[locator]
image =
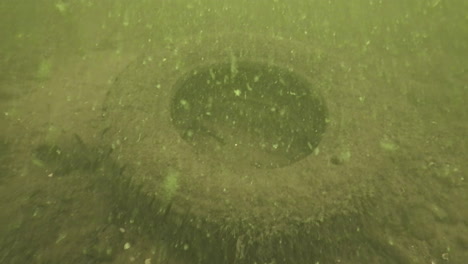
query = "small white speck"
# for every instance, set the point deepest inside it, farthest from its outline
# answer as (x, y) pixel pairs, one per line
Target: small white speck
(316, 151)
(61, 7)
(445, 256)
(127, 246)
(184, 104)
(237, 92)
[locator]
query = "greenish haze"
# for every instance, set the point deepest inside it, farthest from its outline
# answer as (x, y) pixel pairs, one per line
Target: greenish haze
(87, 175)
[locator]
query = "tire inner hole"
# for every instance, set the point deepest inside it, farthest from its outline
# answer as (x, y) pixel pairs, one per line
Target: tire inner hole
(249, 114)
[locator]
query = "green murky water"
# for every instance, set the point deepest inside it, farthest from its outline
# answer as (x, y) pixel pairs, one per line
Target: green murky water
(233, 131)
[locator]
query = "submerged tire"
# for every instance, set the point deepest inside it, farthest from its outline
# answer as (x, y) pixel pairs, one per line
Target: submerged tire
(247, 149)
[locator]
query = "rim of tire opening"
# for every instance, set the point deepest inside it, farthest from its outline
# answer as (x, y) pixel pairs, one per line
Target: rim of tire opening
(248, 113)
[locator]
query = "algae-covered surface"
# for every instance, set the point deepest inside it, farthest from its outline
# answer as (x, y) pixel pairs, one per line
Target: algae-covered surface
(114, 150)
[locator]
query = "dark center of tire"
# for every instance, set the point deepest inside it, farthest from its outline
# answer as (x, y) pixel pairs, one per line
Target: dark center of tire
(249, 114)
